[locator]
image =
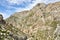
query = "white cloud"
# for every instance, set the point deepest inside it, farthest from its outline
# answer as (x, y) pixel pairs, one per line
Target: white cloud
(36, 1)
(49, 1)
(12, 2)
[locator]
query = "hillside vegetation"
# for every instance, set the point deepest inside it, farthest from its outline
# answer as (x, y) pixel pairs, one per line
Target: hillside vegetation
(42, 22)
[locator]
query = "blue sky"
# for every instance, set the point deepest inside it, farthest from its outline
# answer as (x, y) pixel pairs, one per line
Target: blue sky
(8, 7)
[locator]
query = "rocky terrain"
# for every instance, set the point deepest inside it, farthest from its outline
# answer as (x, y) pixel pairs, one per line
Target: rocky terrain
(42, 22)
(9, 32)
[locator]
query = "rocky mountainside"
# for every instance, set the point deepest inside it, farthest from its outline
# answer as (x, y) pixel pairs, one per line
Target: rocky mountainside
(42, 22)
(9, 32)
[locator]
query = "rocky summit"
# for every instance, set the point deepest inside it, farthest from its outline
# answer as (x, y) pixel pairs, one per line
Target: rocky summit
(42, 22)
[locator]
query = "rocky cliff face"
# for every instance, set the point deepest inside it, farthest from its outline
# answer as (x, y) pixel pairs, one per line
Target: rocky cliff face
(40, 23)
(9, 32)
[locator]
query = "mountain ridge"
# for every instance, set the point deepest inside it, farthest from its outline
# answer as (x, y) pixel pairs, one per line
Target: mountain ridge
(40, 22)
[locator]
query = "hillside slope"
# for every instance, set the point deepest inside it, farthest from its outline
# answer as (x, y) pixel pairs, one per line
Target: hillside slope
(40, 23)
(9, 32)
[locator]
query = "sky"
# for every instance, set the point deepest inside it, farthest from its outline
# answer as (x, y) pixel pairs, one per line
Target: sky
(9, 7)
